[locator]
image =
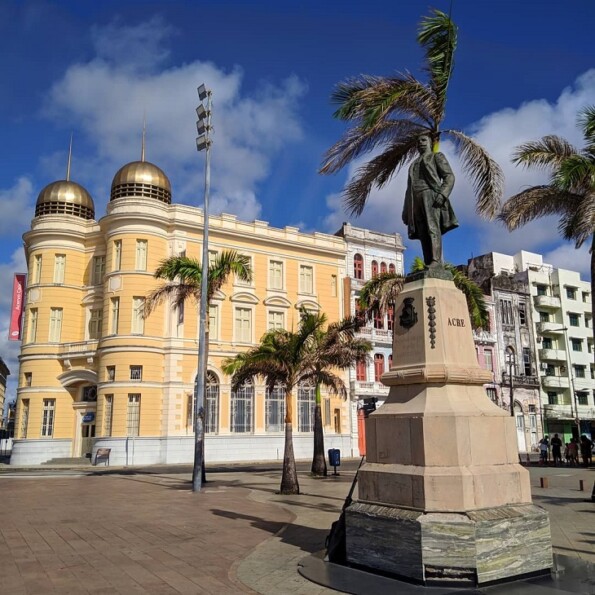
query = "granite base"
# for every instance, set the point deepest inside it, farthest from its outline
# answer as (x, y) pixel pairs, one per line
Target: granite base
(472, 548)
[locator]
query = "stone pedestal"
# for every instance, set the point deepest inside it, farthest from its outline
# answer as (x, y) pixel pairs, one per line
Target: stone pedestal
(442, 495)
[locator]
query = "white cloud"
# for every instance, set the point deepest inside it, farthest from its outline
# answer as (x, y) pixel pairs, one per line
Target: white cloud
(107, 96)
(16, 205)
(566, 256)
(499, 133)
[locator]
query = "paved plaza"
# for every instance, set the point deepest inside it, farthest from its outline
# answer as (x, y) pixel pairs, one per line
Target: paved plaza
(143, 530)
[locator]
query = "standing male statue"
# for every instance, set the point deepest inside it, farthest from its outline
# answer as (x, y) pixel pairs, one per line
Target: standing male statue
(427, 211)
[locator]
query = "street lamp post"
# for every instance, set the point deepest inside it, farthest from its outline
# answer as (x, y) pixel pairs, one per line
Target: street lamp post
(203, 143)
(573, 402)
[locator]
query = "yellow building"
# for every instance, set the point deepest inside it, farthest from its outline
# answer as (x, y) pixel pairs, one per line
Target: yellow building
(4, 373)
(95, 373)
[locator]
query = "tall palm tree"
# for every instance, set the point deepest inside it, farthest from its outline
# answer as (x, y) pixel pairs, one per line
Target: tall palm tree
(183, 276)
(570, 193)
(335, 348)
(288, 359)
(389, 114)
(379, 294)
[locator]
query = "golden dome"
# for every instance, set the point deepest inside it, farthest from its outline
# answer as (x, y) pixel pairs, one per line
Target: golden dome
(65, 197)
(141, 178)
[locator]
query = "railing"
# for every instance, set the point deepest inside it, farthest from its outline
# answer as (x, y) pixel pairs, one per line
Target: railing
(555, 381)
(552, 354)
(79, 347)
(558, 411)
(546, 301)
(549, 327)
(520, 380)
(367, 387)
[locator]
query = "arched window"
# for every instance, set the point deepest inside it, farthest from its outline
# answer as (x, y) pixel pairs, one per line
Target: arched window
(390, 318)
(374, 268)
(378, 319)
(391, 268)
(242, 408)
(360, 371)
(378, 366)
(390, 361)
(383, 267)
(306, 400)
(358, 266)
(212, 404)
(275, 409)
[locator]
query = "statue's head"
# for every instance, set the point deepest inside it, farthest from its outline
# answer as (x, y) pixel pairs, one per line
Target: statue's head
(424, 144)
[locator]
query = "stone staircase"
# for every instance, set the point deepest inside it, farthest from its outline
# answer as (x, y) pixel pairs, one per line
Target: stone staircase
(68, 461)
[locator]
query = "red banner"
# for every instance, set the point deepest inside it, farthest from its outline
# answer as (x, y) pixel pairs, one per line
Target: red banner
(16, 311)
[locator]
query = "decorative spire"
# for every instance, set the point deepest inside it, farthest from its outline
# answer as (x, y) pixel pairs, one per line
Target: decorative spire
(69, 160)
(142, 150)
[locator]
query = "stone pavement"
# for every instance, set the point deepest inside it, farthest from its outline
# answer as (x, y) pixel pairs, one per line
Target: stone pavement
(143, 530)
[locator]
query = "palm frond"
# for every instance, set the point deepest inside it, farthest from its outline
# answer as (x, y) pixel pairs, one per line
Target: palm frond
(380, 293)
(178, 292)
(586, 120)
(476, 304)
(226, 263)
(536, 202)
(417, 265)
(438, 36)
(485, 174)
(377, 172)
(358, 141)
(187, 269)
(578, 223)
(548, 152)
(574, 174)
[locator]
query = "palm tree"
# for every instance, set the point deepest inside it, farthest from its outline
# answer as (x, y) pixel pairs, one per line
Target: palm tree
(570, 193)
(391, 113)
(183, 276)
(379, 294)
(287, 359)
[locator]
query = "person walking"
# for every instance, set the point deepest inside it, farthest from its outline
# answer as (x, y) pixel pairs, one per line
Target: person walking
(544, 446)
(556, 444)
(586, 450)
(573, 452)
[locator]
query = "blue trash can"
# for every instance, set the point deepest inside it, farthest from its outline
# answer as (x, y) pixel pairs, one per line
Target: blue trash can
(334, 458)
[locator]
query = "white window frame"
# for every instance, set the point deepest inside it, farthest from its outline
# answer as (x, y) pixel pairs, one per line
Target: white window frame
(114, 315)
(48, 417)
(136, 373)
(213, 320)
(59, 268)
(240, 335)
(98, 270)
(142, 249)
(306, 285)
(334, 286)
(238, 281)
(108, 413)
(274, 409)
(275, 320)
(55, 331)
(37, 264)
(213, 254)
(25, 407)
(33, 320)
(138, 320)
(95, 326)
(133, 415)
(276, 274)
(117, 257)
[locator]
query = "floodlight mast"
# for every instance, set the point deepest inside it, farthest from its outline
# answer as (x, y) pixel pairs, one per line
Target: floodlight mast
(203, 142)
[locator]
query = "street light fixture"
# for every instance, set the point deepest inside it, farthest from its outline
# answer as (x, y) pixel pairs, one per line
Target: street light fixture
(203, 143)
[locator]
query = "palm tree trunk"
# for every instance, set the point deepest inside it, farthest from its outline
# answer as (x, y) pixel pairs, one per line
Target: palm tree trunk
(289, 479)
(318, 461)
(593, 284)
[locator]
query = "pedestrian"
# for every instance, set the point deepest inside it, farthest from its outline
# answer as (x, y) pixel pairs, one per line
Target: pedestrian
(586, 450)
(573, 452)
(556, 444)
(567, 454)
(544, 446)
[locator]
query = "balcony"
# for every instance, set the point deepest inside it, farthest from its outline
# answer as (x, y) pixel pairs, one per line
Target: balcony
(78, 349)
(555, 381)
(552, 354)
(550, 327)
(360, 387)
(520, 380)
(558, 412)
(586, 412)
(376, 335)
(546, 301)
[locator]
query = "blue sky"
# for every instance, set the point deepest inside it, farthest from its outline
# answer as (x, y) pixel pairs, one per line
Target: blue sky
(523, 69)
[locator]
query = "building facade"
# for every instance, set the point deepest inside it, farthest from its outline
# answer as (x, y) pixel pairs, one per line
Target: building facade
(96, 373)
(369, 253)
(4, 373)
(551, 316)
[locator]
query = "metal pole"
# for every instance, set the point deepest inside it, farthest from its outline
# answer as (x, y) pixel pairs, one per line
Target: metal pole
(510, 371)
(573, 402)
(202, 364)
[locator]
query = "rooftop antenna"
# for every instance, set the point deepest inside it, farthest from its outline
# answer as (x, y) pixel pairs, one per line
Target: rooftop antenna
(142, 150)
(69, 160)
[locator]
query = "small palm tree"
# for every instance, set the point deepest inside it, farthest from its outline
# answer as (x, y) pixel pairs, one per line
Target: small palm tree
(391, 113)
(570, 193)
(287, 359)
(380, 293)
(184, 275)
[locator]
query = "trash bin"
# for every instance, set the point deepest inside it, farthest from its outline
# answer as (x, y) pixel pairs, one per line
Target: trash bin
(334, 458)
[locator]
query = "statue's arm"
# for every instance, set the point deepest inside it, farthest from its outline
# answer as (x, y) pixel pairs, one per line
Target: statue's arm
(445, 172)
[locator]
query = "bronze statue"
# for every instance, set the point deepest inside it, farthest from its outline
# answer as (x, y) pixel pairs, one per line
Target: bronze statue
(427, 211)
